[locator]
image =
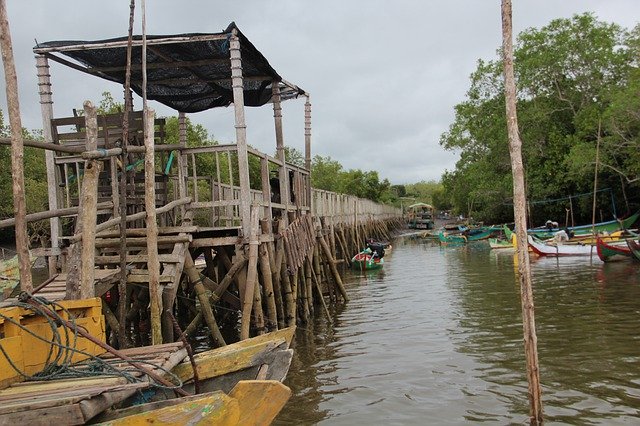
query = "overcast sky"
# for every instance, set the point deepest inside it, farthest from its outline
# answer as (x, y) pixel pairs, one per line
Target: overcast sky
(383, 76)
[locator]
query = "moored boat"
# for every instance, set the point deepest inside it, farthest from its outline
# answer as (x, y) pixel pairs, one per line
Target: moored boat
(79, 387)
(612, 251)
(465, 235)
(634, 246)
(542, 248)
(598, 228)
(366, 261)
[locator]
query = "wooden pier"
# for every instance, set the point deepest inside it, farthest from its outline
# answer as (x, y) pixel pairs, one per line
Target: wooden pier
(212, 234)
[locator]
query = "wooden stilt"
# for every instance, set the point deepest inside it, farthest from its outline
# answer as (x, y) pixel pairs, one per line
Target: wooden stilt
(267, 281)
(252, 276)
(153, 263)
(321, 297)
(332, 265)
(290, 301)
(205, 306)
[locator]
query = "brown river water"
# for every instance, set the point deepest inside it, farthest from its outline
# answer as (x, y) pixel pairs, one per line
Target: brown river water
(436, 338)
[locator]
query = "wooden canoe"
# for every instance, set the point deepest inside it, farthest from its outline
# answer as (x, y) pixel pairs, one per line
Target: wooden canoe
(601, 227)
(609, 252)
(267, 357)
(543, 249)
(249, 403)
(364, 261)
(634, 246)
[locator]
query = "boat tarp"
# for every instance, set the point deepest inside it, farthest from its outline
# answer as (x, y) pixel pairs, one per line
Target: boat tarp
(190, 74)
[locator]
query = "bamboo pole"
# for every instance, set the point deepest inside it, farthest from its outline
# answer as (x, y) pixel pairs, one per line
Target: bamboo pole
(289, 295)
(205, 306)
(258, 313)
(252, 275)
(153, 263)
(595, 180)
(275, 276)
(321, 297)
(216, 295)
(267, 281)
(332, 265)
(122, 284)
(520, 215)
(17, 151)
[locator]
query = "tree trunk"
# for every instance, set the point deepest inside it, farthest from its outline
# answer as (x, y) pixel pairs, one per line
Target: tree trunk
(519, 211)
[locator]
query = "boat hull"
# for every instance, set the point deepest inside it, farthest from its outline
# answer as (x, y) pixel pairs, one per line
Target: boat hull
(543, 249)
(365, 262)
(608, 252)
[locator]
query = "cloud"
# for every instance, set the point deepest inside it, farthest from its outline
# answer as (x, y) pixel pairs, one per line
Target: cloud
(383, 77)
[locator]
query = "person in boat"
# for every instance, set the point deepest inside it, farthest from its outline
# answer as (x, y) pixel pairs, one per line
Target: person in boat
(563, 235)
(549, 224)
(376, 248)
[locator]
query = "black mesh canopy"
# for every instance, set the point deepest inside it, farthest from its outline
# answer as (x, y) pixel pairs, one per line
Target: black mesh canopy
(186, 72)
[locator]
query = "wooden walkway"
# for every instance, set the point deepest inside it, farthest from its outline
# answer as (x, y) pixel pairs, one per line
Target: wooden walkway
(56, 289)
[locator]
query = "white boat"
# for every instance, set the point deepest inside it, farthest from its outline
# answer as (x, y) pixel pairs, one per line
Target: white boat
(559, 249)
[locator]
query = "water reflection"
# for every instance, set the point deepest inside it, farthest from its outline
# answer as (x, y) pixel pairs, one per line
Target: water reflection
(436, 337)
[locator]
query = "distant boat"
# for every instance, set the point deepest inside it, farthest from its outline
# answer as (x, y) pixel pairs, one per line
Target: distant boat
(602, 227)
(365, 261)
(464, 235)
(509, 242)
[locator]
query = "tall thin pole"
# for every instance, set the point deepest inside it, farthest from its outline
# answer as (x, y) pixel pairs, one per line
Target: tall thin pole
(520, 215)
(122, 285)
(17, 152)
(595, 181)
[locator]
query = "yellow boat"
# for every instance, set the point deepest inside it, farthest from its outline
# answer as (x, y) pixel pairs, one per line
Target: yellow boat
(242, 380)
(250, 403)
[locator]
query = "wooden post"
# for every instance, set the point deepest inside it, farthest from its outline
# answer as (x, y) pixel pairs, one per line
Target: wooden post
(241, 132)
(283, 175)
(267, 281)
(307, 145)
(252, 276)
(205, 306)
(88, 207)
(520, 215)
(332, 265)
(153, 263)
(289, 294)
(275, 275)
(17, 152)
(46, 108)
(182, 161)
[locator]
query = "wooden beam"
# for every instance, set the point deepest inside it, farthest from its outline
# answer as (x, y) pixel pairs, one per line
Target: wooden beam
(88, 212)
(46, 145)
(17, 151)
(123, 43)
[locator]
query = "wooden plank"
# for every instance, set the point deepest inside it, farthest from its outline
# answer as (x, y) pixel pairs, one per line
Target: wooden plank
(144, 279)
(135, 258)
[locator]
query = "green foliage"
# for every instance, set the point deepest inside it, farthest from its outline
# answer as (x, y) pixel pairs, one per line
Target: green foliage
(293, 156)
(574, 77)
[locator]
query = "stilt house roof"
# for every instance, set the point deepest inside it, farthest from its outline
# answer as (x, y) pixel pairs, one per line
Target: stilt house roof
(187, 72)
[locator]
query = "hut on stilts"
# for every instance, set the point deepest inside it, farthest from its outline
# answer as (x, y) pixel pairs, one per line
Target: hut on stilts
(131, 214)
